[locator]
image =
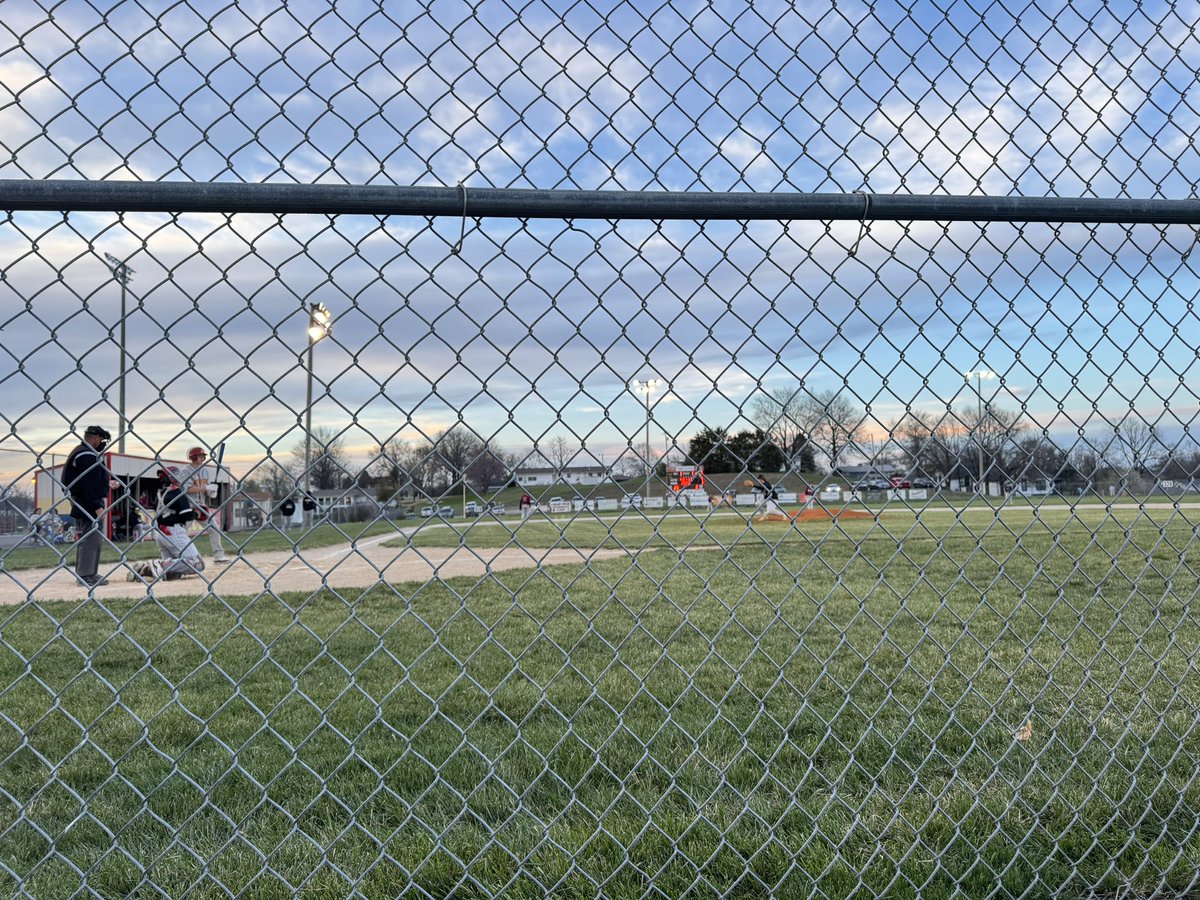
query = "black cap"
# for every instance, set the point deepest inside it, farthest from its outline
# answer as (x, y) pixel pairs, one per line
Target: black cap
(97, 431)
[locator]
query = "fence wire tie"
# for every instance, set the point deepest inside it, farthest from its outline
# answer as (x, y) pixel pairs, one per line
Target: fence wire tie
(862, 223)
(1192, 246)
(462, 230)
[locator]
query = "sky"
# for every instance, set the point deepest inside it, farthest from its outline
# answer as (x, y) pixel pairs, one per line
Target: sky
(536, 329)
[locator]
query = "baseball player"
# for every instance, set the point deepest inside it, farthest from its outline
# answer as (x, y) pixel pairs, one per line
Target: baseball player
(178, 555)
(769, 502)
(203, 495)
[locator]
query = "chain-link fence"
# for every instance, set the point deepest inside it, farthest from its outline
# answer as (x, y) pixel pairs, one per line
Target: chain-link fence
(708, 450)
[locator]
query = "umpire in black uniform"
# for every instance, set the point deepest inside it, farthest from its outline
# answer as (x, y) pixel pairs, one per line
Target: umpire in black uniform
(87, 482)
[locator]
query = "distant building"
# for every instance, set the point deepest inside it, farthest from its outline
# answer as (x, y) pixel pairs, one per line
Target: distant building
(340, 502)
(248, 509)
(537, 476)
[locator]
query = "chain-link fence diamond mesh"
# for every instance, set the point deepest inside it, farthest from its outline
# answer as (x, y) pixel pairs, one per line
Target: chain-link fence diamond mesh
(830, 547)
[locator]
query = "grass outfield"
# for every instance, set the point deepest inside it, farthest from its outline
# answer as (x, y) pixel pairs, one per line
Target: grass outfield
(798, 711)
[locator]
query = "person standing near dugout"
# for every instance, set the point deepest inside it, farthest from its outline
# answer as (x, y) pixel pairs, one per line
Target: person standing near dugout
(195, 483)
(88, 482)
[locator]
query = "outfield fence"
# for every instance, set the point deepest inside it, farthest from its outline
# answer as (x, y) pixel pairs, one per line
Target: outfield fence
(940, 299)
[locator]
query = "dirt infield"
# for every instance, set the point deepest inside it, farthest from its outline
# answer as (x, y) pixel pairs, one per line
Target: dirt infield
(344, 566)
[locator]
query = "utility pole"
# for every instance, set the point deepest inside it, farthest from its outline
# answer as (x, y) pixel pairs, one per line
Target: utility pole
(121, 273)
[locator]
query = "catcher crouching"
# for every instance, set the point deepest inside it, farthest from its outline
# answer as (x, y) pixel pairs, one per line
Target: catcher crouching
(178, 555)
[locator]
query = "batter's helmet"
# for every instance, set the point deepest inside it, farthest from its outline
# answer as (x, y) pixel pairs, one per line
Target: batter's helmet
(197, 451)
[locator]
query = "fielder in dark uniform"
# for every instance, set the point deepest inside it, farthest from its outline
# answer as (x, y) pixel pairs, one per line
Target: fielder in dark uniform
(88, 482)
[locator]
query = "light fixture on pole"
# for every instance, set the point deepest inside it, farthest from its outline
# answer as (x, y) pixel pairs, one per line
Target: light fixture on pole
(646, 387)
(319, 326)
(980, 375)
(121, 273)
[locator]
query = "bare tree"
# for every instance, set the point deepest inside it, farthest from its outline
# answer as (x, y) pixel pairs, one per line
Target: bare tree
(452, 453)
(18, 498)
(557, 452)
(834, 423)
(1091, 466)
(392, 468)
(1038, 458)
(1181, 461)
(387, 467)
(994, 431)
(1134, 445)
(424, 468)
(928, 443)
(782, 413)
(489, 467)
(271, 477)
(330, 463)
(631, 464)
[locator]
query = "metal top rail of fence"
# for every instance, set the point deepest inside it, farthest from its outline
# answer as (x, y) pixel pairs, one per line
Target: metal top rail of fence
(378, 200)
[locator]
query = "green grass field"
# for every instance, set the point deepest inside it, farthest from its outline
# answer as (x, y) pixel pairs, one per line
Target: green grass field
(826, 709)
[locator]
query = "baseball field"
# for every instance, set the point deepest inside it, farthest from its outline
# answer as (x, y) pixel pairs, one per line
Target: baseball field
(945, 702)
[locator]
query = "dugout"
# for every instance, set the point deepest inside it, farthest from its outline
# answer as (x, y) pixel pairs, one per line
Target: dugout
(131, 503)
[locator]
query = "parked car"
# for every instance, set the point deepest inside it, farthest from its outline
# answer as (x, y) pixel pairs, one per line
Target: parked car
(446, 512)
(900, 483)
(426, 512)
(873, 484)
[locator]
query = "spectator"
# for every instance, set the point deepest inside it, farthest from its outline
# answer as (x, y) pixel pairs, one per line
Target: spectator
(287, 509)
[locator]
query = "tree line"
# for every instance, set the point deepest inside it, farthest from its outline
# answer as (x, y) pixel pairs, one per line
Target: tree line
(796, 430)
(793, 430)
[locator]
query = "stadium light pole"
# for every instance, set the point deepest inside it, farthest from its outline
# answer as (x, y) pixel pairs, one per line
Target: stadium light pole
(980, 375)
(319, 326)
(647, 387)
(121, 274)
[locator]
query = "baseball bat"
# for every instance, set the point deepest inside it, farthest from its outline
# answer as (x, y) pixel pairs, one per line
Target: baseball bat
(218, 457)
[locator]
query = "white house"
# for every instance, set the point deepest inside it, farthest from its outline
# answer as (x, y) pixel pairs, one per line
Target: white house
(537, 476)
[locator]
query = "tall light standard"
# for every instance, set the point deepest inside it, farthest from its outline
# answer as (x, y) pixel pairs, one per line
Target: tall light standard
(121, 273)
(646, 387)
(318, 327)
(980, 375)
